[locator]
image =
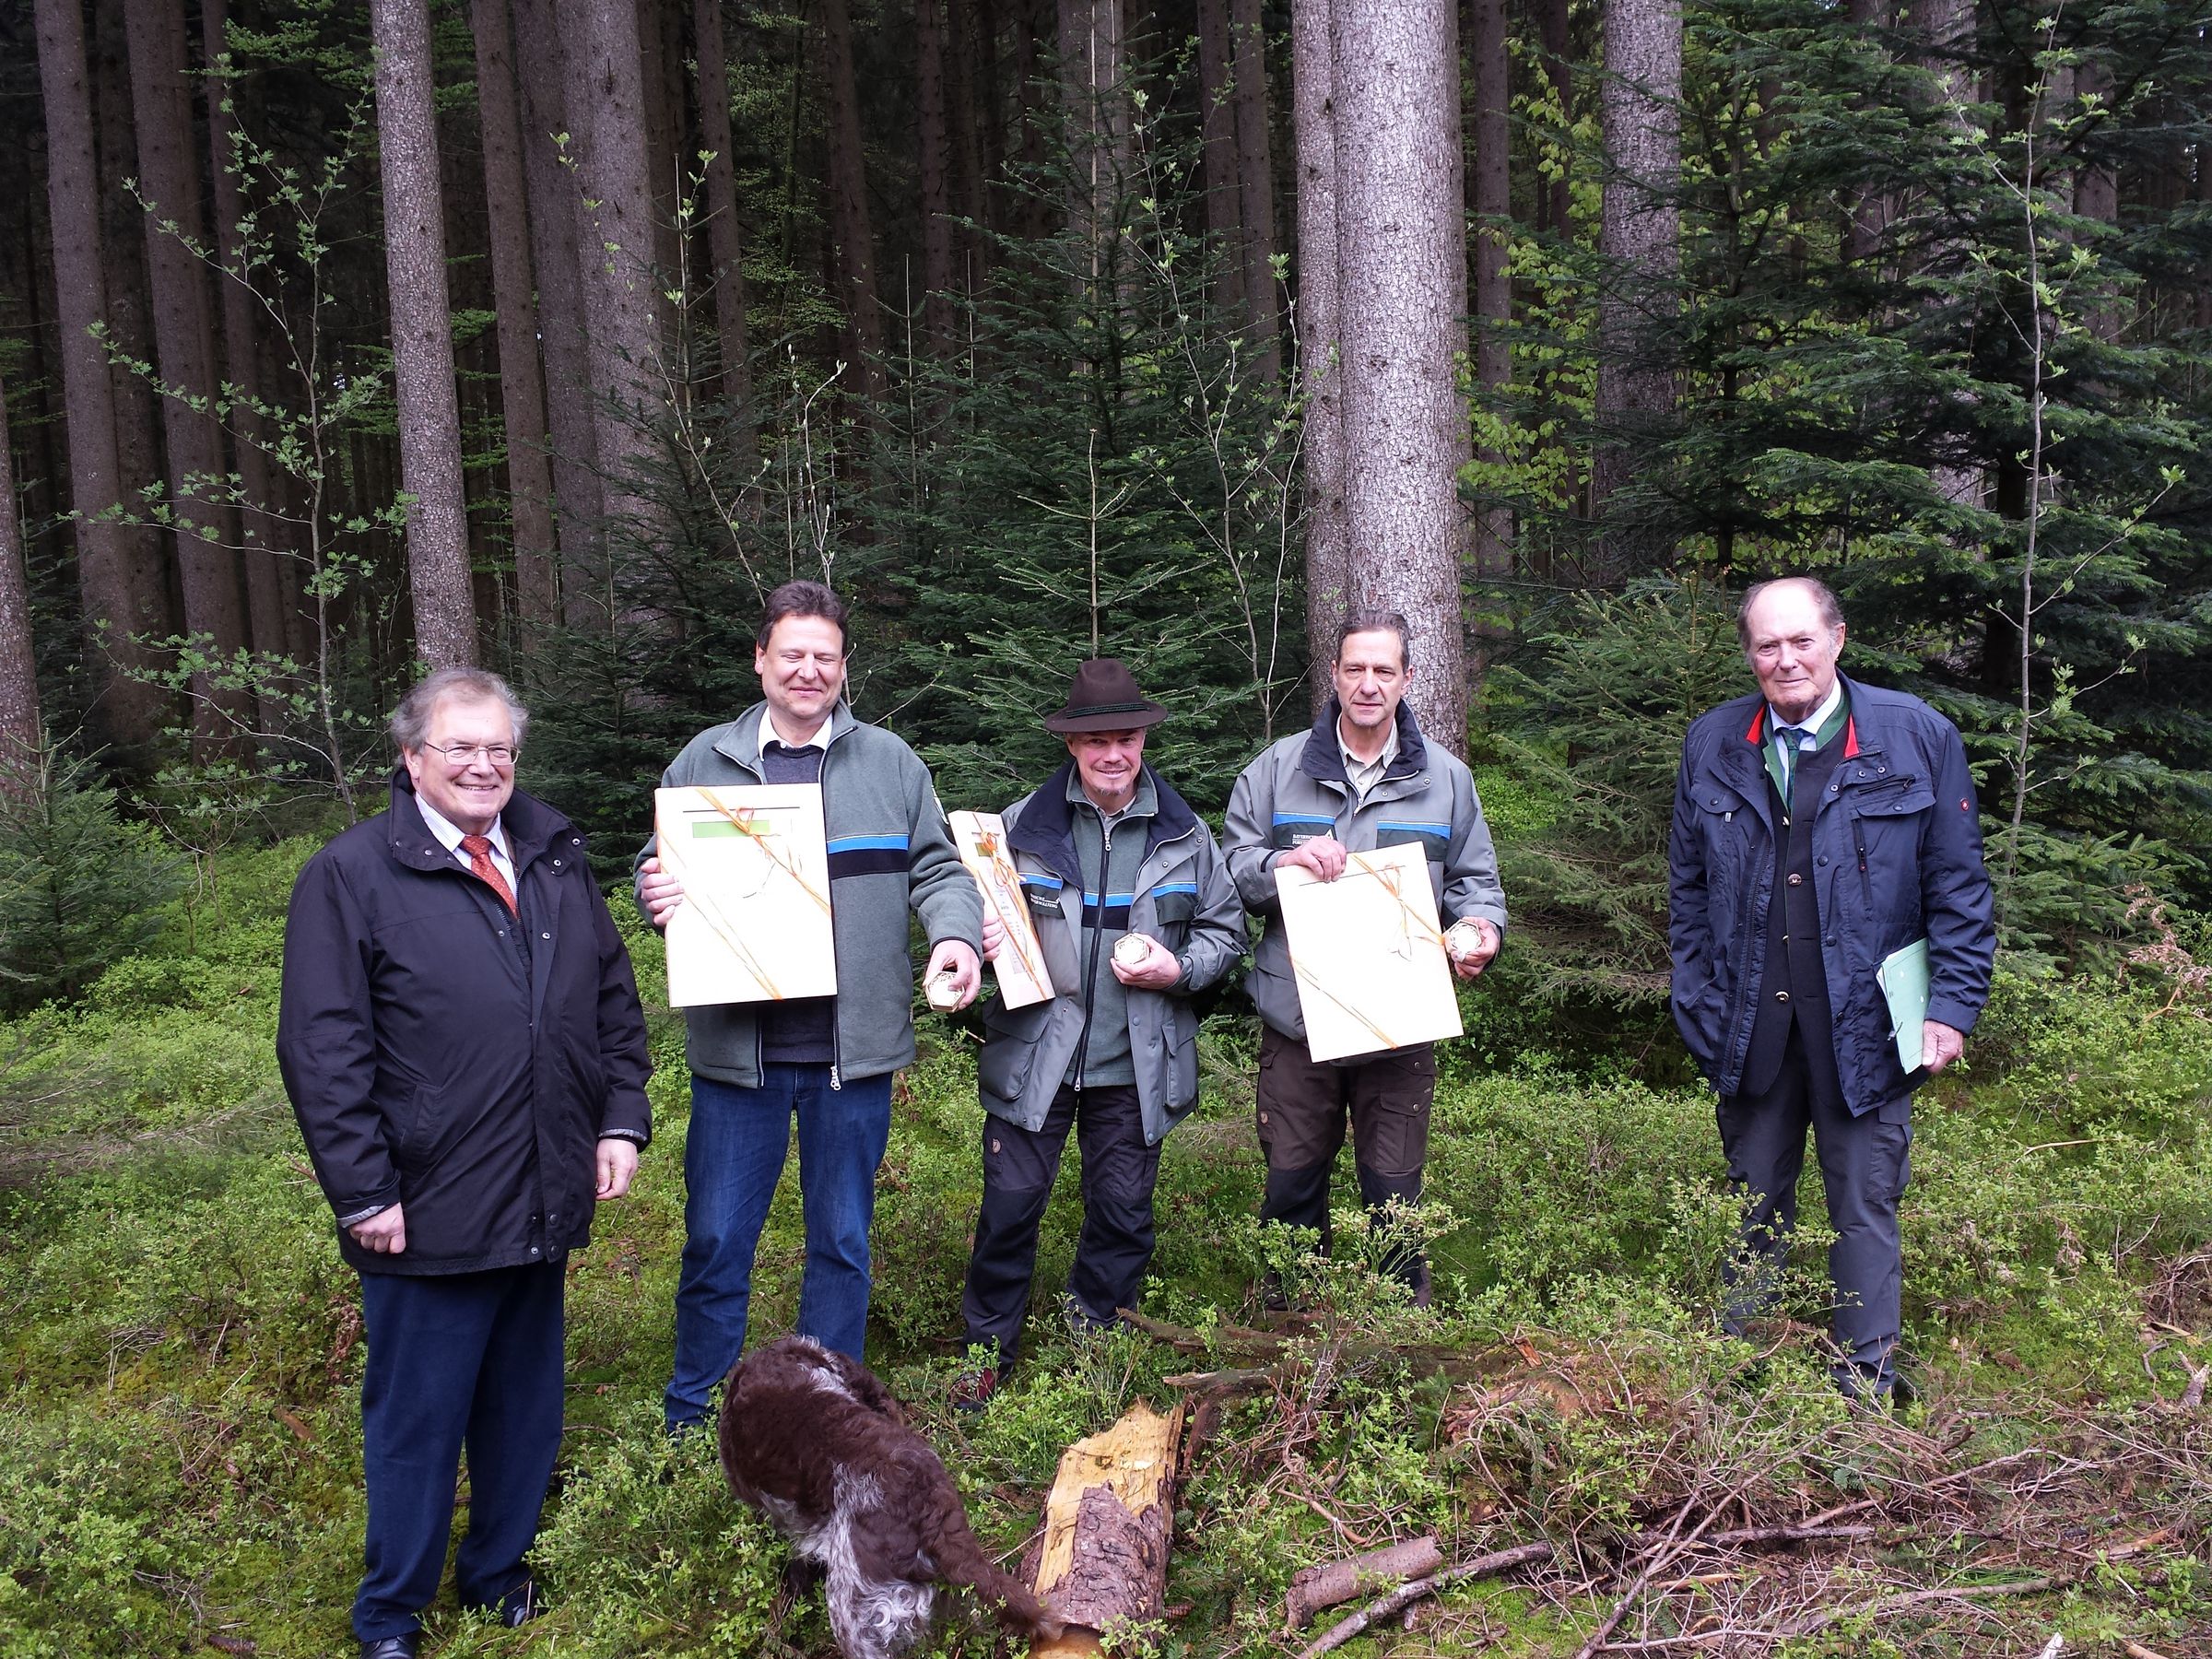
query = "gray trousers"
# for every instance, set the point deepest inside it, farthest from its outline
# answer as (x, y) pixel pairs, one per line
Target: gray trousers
(1865, 1164)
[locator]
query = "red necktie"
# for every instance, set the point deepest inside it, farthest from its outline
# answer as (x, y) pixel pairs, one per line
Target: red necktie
(479, 848)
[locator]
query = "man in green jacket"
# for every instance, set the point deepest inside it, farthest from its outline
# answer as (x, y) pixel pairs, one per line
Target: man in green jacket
(827, 1061)
(1363, 778)
(1136, 913)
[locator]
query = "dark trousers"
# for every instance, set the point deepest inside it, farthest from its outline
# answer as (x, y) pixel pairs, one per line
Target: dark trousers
(1020, 1167)
(457, 1361)
(1865, 1164)
(1303, 1106)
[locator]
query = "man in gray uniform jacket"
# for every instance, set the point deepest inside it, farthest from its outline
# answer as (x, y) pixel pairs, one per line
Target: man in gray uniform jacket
(1106, 851)
(1362, 778)
(826, 1060)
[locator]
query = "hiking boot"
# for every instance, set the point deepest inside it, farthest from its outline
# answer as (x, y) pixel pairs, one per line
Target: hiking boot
(973, 1389)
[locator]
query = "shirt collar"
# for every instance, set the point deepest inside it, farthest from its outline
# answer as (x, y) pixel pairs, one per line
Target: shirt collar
(449, 833)
(1143, 803)
(769, 735)
(1352, 763)
(1815, 721)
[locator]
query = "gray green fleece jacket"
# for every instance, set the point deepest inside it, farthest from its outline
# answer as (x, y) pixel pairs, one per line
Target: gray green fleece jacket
(890, 852)
(1296, 791)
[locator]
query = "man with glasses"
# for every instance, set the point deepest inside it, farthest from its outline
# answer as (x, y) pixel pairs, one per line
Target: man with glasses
(825, 1062)
(464, 1048)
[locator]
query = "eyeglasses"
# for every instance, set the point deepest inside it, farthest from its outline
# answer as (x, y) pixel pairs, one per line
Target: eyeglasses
(469, 754)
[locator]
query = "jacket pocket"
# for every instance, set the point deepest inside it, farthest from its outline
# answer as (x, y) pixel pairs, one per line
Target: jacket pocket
(1173, 906)
(1010, 1038)
(426, 1122)
(1887, 824)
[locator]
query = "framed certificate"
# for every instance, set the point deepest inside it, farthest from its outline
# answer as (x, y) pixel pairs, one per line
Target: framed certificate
(754, 925)
(1368, 954)
(982, 838)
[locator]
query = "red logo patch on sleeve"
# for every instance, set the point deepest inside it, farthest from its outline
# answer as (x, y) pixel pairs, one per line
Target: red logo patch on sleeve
(1964, 805)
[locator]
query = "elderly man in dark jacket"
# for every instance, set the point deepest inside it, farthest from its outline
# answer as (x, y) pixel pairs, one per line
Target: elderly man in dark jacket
(1822, 827)
(462, 1041)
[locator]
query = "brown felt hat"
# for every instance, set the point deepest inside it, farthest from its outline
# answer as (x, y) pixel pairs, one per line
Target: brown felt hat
(1104, 697)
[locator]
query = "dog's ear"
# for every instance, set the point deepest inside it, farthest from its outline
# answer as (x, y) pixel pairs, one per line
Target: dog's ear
(866, 1388)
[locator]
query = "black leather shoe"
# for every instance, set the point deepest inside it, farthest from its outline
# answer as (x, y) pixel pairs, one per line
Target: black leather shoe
(520, 1605)
(394, 1647)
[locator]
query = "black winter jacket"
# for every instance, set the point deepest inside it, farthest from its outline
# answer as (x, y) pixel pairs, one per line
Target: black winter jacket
(434, 1063)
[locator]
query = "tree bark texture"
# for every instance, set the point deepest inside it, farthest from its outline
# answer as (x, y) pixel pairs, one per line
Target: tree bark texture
(1314, 1588)
(668, 159)
(1320, 365)
(22, 734)
(1256, 184)
(1640, 243)
(1552, 22)
(145, 551)
(1401, 260)
(852, 236)
(616, 244)
(262, 533)
(1869, 211)
(935, 133)
(126, 711)
(422, 337)
(1103, 1555)
(964, 53)
(514, 302)
(1492, 204)
(1093, 69)
(726, 243)
(169, 175)
(1033, 100)
(556, 212)
(1218, 118)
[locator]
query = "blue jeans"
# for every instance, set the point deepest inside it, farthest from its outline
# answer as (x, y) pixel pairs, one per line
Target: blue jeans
(463, 1359)
(733, 1159)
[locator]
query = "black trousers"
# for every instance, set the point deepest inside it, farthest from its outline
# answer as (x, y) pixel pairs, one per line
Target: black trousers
(1020, 1167)
(1865, 1164)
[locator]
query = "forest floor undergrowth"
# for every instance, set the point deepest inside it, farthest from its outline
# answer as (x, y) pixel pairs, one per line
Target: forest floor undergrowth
(181, 1353)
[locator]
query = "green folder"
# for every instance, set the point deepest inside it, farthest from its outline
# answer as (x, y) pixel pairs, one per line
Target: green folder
(1904, 980)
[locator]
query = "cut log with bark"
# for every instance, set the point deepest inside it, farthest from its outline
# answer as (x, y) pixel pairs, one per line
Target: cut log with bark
(1103, 1557)
(1314, 1588)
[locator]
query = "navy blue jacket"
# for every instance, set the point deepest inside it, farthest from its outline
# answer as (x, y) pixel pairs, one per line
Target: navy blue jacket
(432, 1063)
(1896, 855)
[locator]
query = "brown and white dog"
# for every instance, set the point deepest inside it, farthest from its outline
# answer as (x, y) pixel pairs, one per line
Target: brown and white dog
(814, 1442)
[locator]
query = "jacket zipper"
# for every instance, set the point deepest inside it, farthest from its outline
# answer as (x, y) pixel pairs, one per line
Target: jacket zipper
(1091, 969)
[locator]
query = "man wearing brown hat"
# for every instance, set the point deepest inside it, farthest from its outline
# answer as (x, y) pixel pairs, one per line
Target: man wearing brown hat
(1109, 857)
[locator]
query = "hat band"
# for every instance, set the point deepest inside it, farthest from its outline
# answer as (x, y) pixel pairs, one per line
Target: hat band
(1120, 708)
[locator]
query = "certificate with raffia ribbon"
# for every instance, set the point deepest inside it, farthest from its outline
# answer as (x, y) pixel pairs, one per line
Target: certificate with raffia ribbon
(1368, 954)
(982, 838)
(754, 925)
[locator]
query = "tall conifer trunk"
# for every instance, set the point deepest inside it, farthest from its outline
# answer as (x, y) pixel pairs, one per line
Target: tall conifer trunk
(1218, 130)
(725, 238)
(1400, 259)
(262, 531)
(126, 711)
(522, 386)
(1491, 202)
(1256, 184)
(1640, 239)
(169, 174)
(852, 232)
(934, 122)
(22, 733)
(1319, 333)
(422, 337)
(556, 260)
(1093, 67)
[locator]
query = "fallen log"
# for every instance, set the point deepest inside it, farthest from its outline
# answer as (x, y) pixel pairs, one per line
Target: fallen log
(1314, 1588)
(1405, 1596)
(1103, 1556)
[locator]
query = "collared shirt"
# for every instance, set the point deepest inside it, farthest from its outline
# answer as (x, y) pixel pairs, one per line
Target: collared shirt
(1812, 731)
(1363, 775)
(449, 835)
(769, 735)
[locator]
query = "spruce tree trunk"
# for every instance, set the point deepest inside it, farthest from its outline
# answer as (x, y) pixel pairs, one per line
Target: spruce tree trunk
(422, 337)
(556, 257)
(963, 52)
(1869, 209)
(138, 457)
(725, 238)
(1400, 259)
(1552, 22)
(262, 533)
(616, 250)
(1036, 107)
(1093, 66)
(662, 92)
(935, 155)
(1255, 184)
(1491, 202)
(1320, 370)
(852, 235)
(126, 711)
(1218, 129)
(521, 385)
(22, 734)
(169, 176)
(1640, 240)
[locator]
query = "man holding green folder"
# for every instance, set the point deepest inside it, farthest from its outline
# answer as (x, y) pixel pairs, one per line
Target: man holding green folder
(1830, 926)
